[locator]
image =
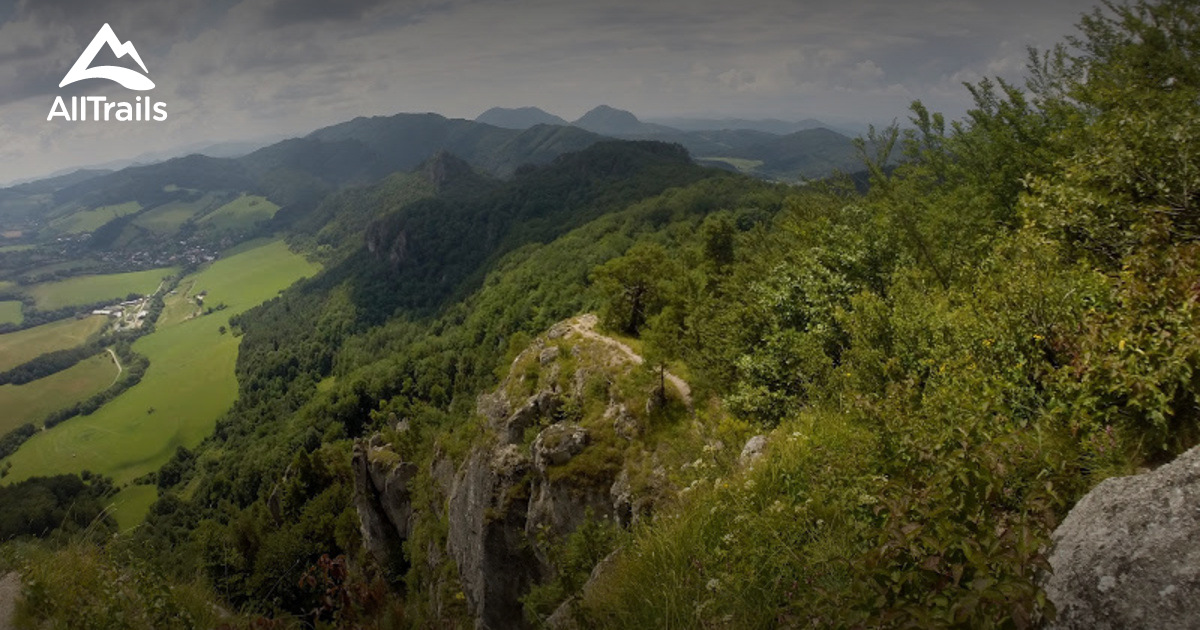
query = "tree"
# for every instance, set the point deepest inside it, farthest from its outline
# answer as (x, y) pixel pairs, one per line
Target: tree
(633, 286)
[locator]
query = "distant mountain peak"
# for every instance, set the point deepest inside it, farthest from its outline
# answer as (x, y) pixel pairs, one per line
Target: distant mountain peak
(519, 117)
(611, 121)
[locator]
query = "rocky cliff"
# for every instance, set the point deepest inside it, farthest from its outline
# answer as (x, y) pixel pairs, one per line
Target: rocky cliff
(557, 446)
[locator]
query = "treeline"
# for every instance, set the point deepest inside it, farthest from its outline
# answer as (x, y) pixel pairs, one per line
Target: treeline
(32, 317)
(135, 366)
(13, 440)
(50, 363)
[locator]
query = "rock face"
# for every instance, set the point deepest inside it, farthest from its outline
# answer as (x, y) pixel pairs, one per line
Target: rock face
(488, 509)
(528, 481)
(382, 500)
(1128, 554)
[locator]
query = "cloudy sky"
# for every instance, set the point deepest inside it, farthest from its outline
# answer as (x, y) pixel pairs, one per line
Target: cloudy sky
(242, 69)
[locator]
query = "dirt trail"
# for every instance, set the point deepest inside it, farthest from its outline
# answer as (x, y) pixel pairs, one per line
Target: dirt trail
(119, 368)
(585, 325)
(10, 588)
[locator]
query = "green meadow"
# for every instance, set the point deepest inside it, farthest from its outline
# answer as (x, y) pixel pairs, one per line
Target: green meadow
(240, 214)
(10, 312)
(91, 289)
(91, 220)
(31, 402)
(169, 217)
(129, 506)
(21, 346)
(180, 305)
(189, 384)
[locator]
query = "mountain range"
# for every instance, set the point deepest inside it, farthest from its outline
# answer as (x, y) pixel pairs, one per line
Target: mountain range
(772, 149)
(297, 173)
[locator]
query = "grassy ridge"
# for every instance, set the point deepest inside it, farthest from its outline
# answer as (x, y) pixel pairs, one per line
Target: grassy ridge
(32, 401)
(242, 213)
(190, 382)
(18, 347)
(91, 289)
(91, 220)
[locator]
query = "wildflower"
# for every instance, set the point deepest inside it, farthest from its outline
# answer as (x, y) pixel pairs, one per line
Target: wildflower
(1121, 346)
(1038, 337)
(728, 539)
(713, 584)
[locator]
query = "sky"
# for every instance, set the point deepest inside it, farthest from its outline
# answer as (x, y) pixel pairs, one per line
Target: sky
(231, 70)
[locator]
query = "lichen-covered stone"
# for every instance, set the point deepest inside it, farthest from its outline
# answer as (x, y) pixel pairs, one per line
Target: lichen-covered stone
(1128, 554)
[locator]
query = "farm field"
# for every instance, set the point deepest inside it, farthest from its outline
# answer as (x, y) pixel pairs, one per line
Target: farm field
(167, 218)
(129, 506)
(31, 402)
(21, 346)
(91, 220)
(189, 384)
(91, 289)
(240, 214)
(10, 312)
(180, 305)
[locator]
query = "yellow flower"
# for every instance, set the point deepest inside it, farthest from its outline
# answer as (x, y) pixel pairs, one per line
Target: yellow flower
(1121, 346)
(1038, 337)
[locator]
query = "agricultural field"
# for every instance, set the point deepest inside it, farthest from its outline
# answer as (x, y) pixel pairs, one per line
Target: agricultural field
(169, 217)
(32, 402)
(92, 289)
(189, 384)
(129, 506)
(241, 214)
(16, 248)
(91, 220)
(21, 346)
(179, 305)
(10, 312)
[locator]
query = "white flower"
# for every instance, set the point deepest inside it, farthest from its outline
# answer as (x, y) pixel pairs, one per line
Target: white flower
(713, 584)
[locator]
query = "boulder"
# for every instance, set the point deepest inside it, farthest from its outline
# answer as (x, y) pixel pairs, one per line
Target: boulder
(1128, 554)
(542, 405)
(557, 444)
(754, 449)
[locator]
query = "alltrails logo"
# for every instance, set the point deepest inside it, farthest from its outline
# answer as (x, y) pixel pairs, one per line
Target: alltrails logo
(141, 109)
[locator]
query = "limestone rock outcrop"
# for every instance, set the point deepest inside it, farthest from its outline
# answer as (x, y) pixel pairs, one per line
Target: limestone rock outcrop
(1128, 554)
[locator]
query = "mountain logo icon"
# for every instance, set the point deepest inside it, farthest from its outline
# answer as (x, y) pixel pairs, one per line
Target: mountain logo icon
(130, 79)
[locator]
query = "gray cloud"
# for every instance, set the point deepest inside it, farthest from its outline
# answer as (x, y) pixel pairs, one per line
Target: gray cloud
(245, 68)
